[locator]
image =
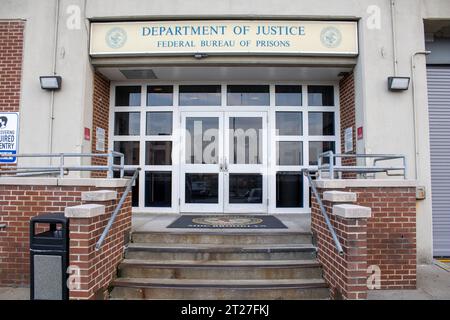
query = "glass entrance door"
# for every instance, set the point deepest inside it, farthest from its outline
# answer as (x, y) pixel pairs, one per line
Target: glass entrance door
(224, 162)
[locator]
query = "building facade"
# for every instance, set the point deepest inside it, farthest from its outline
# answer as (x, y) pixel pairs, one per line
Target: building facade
(165, 84)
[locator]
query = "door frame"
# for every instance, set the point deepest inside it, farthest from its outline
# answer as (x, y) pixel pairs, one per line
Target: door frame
(223, 166)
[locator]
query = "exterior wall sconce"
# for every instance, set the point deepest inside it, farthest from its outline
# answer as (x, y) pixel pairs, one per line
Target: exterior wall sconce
(398, 83)
(50, 82)
(199, 55)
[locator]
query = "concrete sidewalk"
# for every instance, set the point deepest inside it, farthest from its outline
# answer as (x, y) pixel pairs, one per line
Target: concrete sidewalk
(433, 283)
(10, 293)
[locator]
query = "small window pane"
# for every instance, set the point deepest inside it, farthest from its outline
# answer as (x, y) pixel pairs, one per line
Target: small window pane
(316, 148)
(248, 95)
(289, 124)
(128, 96)
(245, 140)
(245, 188)
(289, 153)
(202, 188)
(130, 149)
(159, 96)
(158, 189)
(321, 123)
(289, 190)
(288, 95)
(202, 140)
(127, 123)
(200, 95)
(134, 188)
(321, 96)
(159, 123)
(158, 153)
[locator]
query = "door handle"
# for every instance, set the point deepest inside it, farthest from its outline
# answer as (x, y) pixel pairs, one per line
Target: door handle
(225, 165)
(221, 165)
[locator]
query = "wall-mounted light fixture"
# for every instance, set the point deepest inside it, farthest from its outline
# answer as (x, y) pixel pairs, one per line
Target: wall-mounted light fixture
(199, 55)
(50, 82)
(398, 83)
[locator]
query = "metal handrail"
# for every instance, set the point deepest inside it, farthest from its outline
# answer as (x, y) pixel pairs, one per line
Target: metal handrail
(337, 243)
(117, 210)
(62, 168)
(332, 168)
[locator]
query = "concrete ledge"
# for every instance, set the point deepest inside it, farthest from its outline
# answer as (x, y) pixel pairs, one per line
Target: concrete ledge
(352, 211)
(364, 183)
(85, 211)
(85, 182)
(339, 196)
(100, 195)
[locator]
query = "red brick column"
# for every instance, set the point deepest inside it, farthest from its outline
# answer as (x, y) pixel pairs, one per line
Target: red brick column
(347, 118)
(97, 269)
(100, 119)
(389, 234)
(346, 275)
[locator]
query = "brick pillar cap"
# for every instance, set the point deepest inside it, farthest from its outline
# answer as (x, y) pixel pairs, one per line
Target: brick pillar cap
(351, 211)
(85, 211)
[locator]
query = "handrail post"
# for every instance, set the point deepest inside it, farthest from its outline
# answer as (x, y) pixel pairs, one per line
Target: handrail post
(122, 165)
(331, 159)
(61, 165)
(110, 165)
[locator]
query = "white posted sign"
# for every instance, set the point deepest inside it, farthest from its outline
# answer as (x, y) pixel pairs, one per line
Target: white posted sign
(9, 136)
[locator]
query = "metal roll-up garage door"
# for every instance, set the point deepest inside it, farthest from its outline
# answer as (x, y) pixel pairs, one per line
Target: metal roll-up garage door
(439, 109)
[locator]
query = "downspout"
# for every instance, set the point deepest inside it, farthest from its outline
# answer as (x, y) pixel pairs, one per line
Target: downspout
(52, 98)
(394, 36)
(416, 143)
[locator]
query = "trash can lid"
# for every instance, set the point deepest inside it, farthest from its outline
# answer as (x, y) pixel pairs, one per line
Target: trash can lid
(57, 217)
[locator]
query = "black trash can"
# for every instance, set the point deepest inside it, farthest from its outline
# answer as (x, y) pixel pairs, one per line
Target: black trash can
(49, 257)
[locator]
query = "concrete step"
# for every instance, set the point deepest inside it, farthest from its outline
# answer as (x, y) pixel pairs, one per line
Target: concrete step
(144, 288)
(220, 269)
(204, 252)
(220, 237)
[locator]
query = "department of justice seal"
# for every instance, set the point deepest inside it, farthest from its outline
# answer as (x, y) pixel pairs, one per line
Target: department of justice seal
(331, 37)
(116, 38)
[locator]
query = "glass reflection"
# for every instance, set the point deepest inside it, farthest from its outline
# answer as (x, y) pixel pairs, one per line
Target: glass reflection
(202, 140)
(245, 140)
(289, 153)
(200, 95)
(202, 188)
(289, 189)
(245, 188)
(321, 123)
(127, 123)
(248, 95)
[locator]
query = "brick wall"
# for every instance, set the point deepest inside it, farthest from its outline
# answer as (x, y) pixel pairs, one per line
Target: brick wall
(347, 116)
(11, 56)
(386, 240)
(391, 234)
(100, 118)
(11, 53)
(19, 203)
(347, 274)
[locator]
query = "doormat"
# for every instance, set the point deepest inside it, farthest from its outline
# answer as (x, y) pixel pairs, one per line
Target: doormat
(231, 222)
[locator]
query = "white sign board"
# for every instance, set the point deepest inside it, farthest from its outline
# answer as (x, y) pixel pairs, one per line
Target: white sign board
(334, 38)
(348, 139)
(100, 144)
(9, 135)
